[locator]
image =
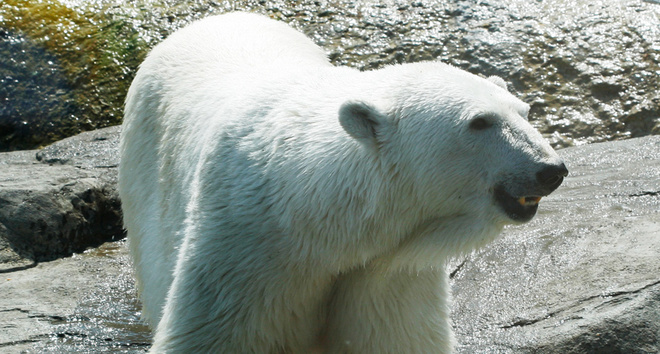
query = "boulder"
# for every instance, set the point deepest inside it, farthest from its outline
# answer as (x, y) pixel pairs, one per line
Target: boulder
(59, 200)
(589, 70)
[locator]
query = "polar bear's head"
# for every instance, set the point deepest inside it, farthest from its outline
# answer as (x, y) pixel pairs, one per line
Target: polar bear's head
(457, 144)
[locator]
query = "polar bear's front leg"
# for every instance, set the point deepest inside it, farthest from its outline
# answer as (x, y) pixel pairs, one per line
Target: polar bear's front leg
(383, 311)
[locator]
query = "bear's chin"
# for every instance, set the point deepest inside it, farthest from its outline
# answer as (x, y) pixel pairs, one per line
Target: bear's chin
(515, 207)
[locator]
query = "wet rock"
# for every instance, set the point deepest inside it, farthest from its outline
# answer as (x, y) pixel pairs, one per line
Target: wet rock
(80, 304)
(584, 276)
(596, 59)
(31, 82)
(59, 200)
(63, 70)
(95, 150)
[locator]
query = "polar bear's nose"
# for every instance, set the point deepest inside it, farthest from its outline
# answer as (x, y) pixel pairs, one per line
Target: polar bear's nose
(551, 176)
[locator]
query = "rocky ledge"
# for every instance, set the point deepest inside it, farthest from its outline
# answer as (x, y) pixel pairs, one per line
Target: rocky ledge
(582, 277)
(59, 200)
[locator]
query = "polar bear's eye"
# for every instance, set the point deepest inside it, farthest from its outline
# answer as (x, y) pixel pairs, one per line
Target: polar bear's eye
(480, 123)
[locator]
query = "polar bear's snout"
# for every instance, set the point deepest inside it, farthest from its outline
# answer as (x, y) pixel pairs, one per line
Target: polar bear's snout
(520, 201)
(551, 176)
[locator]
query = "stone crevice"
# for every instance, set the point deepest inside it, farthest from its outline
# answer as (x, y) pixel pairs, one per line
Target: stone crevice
(34, 339)
(51, 318)
(19, 268)
(645, 194)
(607, 297)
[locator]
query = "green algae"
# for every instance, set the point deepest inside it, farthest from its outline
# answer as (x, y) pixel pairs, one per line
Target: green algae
(85, 60)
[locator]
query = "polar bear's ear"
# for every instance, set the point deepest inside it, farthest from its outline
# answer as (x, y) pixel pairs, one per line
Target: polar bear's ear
(361, 121)
(498, 81)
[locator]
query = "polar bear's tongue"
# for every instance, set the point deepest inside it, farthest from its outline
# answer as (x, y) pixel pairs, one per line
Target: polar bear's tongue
(526, 201)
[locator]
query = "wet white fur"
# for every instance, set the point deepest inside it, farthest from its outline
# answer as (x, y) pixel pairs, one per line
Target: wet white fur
(275, 203)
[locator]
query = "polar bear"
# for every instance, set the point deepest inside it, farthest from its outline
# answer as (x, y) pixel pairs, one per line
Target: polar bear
(275, 203)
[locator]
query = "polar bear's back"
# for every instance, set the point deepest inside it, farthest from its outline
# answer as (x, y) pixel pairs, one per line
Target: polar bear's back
(240, 41)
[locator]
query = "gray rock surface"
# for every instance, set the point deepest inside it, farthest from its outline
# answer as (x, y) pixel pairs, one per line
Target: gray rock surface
(59, 200)
(589, 69)
(582, 277)
(80, 304)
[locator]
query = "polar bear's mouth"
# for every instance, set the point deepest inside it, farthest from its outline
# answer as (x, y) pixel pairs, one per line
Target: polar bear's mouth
(518, 208)
(529, 201)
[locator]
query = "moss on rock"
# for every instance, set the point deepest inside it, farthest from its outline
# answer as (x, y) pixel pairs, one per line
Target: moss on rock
(64, 70)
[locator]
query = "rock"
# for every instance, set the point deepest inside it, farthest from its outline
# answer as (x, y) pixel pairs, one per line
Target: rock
(56, 202)
(65, 66)
(584, 275)
(59, 200)
(84, 303)
(89, 151)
